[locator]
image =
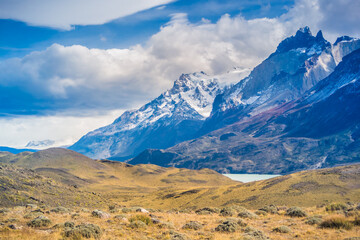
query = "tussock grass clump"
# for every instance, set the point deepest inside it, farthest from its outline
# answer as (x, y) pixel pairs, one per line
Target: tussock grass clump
(61, 210)
(178, 236)
(127, 210)
(357, 221)
(83, 230)
(165, 225)
(4, 211)
(227, 226)
(227, 212)
(100, 214)
(260, 213)
(143, 218)
(121, 217)
(337, 222)
(282, 229)
(230, 225)
(336, 207)
(253, 233)
(193, 225)
(40, 221)
(32, 215)
(246, 214)
(137, 224)
(270, 209)
(296, 212)
(313, 220)
(207, 211)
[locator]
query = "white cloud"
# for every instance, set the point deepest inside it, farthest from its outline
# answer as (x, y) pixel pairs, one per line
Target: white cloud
(64, 130)
(63, 14)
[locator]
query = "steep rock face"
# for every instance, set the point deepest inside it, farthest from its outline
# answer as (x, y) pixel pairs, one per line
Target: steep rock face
(172, 117)
(297, 65)
(319, 129)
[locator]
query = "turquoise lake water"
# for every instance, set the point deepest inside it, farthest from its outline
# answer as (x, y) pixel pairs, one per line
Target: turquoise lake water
(249, 177)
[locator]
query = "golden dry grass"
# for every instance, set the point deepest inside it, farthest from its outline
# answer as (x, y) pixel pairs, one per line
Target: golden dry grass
(120, 229)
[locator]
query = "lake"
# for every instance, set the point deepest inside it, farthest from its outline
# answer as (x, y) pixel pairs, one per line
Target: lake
(250, 177)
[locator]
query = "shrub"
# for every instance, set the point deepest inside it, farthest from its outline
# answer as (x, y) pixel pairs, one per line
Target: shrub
(282, 229)
(254, 233)
(227, 212)
(127, 210)
(143, 218)
(313, 220)
(60, 210)
(247, 214)
(336, 207)
(357, 221)
(4, 211)
(121, 217)
(261, 212)
(227, 226)
(192, 225)
(269, 209)
(83, 230)
(165, 225)
(337, 222)
(33, 215)
(177, 236)
(40, 221)
(69, 224)
(137, 224)
(296, 212)
(100, 214)
(206, 211)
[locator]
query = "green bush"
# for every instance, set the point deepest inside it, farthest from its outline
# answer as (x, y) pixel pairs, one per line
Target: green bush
(296, 212)
(282, 229)
(193, 225)
(40, 221)
(337, 222)
(83, 230)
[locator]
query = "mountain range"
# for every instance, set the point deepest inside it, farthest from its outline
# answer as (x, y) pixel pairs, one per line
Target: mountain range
(298, 109)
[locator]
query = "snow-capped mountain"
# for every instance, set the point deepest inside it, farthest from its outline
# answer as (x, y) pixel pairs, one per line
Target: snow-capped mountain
(174, 116)
(40, 144)
(297, 110)
(297, 65)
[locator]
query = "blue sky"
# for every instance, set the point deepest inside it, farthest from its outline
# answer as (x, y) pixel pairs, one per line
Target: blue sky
(19, 38)
(70, 66)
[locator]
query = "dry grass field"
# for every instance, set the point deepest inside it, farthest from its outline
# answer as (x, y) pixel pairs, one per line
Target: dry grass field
(54, 194)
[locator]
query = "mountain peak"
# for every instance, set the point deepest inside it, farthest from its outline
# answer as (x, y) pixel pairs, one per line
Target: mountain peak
(343, 38)
(304, 30)
(302, 39)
